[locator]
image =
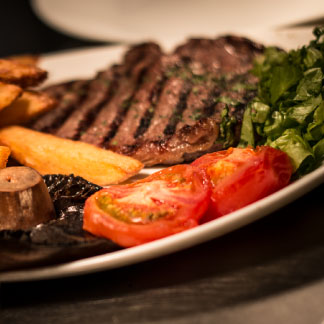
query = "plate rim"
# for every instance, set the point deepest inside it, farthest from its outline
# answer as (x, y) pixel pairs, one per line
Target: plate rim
(176, 242)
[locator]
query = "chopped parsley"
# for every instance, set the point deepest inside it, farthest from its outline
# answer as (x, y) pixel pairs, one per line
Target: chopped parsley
(226, 128)
(196, 115)
(227, 100)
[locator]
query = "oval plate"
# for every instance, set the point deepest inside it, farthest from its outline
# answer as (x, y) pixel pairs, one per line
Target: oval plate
(84, 64)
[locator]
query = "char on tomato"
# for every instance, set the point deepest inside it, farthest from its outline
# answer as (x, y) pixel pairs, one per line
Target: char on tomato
(239, 177)
(164, 203)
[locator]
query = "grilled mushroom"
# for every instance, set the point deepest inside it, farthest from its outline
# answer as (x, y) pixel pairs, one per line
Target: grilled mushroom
(24, 199)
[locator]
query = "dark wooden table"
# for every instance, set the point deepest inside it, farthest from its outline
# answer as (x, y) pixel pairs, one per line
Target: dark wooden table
(271, 271)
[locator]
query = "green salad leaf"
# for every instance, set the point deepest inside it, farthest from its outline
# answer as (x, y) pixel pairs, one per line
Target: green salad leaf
(318, 149)
(226, 129)
(247, 137)
(310, 85)
(292, 142)
(288, 112)
(282, 78)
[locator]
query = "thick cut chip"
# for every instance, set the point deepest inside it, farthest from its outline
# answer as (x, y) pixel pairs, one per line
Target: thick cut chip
(8, 94)
(4, 155)
(50, 154)
(28, 106)
(21, 74)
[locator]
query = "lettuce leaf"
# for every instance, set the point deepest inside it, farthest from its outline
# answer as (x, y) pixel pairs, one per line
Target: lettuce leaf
(288, 112)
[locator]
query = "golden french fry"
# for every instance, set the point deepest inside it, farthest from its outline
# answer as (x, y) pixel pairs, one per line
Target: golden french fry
(8, 94)
(50, 154)
(28, 106)
(21, 74)
(4, 155)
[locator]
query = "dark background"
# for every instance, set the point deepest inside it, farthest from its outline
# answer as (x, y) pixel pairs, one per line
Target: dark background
(22, 32)
(271, 271)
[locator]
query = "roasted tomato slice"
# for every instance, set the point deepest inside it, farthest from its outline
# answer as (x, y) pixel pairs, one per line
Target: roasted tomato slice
(165, 203)
(239, 177)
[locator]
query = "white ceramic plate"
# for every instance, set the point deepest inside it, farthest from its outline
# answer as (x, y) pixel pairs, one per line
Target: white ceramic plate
(84, 63)
(169, 20)
(175, 242)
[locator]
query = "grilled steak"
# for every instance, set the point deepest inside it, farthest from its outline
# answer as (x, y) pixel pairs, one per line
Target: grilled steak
(160, 108)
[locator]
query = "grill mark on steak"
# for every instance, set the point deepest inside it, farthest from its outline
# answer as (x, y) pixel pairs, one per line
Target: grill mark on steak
(69, 96)
(148, 114)
(177, 113)
(195, 106)
(141, 104)
(112, 113)
(122, 111)
(101, 126)
(145, 100)
(97, 93)
(108, 87)
(165, 108)
(58, 90)
(168, 63)
(200, 104)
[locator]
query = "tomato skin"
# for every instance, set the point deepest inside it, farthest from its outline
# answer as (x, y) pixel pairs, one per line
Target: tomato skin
(248, 176)
(187, 202)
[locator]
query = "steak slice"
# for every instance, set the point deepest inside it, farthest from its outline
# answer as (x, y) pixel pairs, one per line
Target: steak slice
(221, 87)
(203, 131)
(68, 96)
(229, 55)
(138, 61)
(162, 108)
(143, 103)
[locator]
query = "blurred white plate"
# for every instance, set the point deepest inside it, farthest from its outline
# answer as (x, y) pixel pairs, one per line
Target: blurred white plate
(169, 21)
(83, 64)
(71, 64)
